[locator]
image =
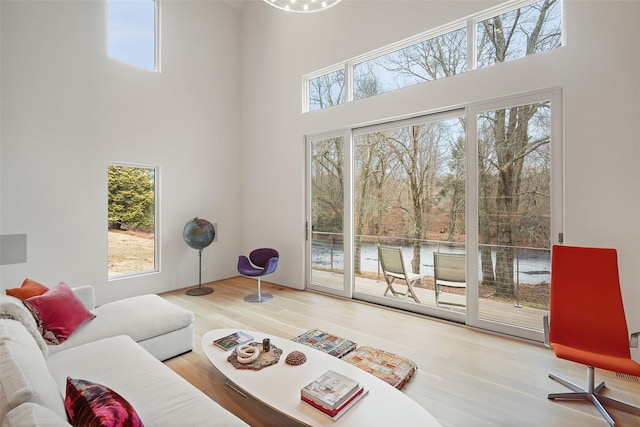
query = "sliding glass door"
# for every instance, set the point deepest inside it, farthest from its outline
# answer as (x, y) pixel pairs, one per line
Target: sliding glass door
(515, 213)
(482, 183)
(326, 231)
(409, 193)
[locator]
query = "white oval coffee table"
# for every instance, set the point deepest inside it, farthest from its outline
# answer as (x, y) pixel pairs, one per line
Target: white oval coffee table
(278, 386)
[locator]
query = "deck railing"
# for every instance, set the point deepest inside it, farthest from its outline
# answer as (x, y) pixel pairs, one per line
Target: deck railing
(531, 265)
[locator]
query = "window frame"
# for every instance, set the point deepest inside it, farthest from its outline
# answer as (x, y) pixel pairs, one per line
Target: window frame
(470, 23)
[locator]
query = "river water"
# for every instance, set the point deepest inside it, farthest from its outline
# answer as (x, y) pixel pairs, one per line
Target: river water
(531, 266)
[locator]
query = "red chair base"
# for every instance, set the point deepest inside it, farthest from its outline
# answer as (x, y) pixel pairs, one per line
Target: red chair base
(592, 394)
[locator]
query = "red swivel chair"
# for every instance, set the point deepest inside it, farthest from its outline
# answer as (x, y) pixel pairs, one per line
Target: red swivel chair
(586, 322)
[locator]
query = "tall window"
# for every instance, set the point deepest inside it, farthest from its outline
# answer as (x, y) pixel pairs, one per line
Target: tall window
(132, 220)
(132, 27)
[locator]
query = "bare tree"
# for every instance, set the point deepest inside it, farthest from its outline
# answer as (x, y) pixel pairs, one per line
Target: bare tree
(327, 185)
(432, 59)
(454, 187)
(326, 90)
(365, 153)
(415, 148)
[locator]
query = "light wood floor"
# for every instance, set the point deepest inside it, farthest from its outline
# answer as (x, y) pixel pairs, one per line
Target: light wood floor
(466, 377)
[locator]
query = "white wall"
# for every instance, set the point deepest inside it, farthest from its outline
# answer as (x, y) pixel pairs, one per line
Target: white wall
(598, 70)
(68, 110)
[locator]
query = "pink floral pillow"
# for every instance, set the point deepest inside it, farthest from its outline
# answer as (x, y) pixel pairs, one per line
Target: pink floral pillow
(93, 405)
(58, 313)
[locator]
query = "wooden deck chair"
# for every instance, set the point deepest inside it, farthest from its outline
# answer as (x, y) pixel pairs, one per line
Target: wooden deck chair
(448, 272)
(393, 268)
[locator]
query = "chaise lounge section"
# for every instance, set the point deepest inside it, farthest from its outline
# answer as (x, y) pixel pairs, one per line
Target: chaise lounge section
(120, 349)
(163, 329)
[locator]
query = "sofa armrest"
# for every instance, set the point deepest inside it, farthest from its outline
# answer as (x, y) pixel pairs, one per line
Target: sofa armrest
(87, 295)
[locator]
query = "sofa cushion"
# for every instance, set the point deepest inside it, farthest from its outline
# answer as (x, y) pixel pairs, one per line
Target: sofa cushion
(33, 415)
(17, 323)
(24, 377)
(140, 317)
(58, 313)
(30, 288)
(94, 405)
(160, 396)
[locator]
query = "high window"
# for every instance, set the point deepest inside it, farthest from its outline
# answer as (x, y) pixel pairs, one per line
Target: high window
(511, 31)
(132, 220)
(132, 32)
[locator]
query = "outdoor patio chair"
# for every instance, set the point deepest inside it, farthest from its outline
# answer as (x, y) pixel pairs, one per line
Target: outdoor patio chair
(448, 272)
(393, 268)
(586, 323)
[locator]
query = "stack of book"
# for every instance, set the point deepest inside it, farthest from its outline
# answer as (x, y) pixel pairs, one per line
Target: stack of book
(332, 393)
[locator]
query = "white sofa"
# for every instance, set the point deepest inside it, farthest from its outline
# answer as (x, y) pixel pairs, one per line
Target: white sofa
(33, 375)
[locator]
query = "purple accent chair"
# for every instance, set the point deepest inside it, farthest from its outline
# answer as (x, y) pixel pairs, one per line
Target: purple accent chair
(261, 262)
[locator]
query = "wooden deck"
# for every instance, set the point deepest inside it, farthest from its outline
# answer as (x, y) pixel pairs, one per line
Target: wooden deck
(508, 313)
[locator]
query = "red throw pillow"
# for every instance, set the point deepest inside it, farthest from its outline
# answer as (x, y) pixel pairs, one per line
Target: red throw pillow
(89, 404)
(58, 313)
(30, 288)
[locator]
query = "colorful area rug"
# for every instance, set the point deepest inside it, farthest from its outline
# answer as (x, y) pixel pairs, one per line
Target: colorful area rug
(395, 370)
(326, 342)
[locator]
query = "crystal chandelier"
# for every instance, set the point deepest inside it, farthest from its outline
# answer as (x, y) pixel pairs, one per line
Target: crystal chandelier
(302, 5)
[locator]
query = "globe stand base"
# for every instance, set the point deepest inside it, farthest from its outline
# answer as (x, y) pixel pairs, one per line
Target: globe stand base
(199, 291)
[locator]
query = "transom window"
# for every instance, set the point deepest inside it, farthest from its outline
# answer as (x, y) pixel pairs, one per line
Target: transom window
(512, 30)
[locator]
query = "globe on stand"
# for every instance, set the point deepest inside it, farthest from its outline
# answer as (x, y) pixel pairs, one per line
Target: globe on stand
(198, 233)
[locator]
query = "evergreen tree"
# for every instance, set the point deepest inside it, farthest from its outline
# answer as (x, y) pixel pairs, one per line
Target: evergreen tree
(131, 197)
